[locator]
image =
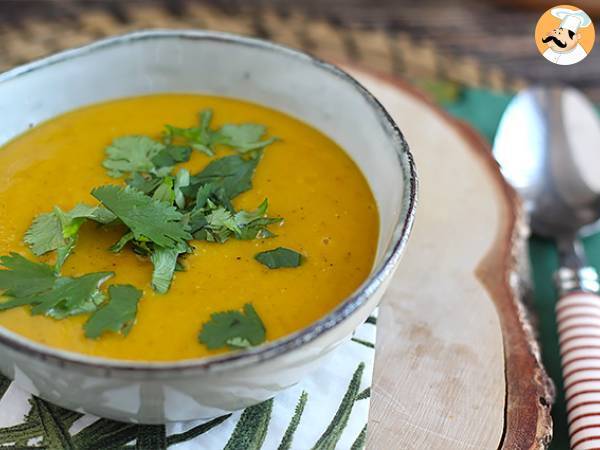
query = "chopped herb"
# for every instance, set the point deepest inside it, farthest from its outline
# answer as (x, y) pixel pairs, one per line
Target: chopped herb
(164, 192)
(162, 212)
(253, 225)
(243, 137)
(70, 296)
(144, 183)
(234, 329)
(220, 224)
(58, 230)
(147, 219)
(121, 243)
(165, 265)
(209, 195)
(117, 315)
(168, 189)
(200, 138)
(130, 154)
(24, 278)
(182, 181)
(279, 257)
(45, 234)
(232, 173)
(25, 282)
(172, 155)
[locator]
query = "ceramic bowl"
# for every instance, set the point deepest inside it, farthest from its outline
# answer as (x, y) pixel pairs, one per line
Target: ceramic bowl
(317, 93)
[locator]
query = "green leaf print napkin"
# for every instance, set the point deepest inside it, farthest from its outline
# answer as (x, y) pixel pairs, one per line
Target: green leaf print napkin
(327, 410)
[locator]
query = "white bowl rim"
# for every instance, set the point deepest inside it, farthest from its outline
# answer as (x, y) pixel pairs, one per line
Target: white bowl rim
(402, 229)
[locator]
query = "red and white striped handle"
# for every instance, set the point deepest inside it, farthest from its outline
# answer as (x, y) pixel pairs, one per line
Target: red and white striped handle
(578, 316)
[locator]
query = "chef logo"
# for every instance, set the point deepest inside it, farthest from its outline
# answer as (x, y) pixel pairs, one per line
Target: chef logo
(564, 35)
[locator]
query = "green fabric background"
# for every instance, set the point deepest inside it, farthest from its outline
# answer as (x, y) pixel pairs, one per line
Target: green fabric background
(483, 109)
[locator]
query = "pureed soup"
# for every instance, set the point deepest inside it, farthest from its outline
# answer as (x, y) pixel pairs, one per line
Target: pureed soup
(177, 226)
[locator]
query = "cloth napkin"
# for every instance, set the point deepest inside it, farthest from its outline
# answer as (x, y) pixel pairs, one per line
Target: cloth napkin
(327, 410)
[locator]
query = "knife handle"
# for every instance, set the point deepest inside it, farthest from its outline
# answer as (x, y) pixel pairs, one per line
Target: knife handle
(578, 317)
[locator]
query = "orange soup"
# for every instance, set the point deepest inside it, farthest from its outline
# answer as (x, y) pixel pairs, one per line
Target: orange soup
(328, 212)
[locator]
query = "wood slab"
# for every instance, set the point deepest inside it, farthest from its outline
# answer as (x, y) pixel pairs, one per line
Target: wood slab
(457, 366)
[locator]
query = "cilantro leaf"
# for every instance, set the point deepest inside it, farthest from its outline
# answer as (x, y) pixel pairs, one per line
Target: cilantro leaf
(131, 154)
(45, 234)
(73, 296)
(121, 243)
(234, 329)
(95, 213)
(182, 181)
(165, 264)
(200, 138)
(253, 224)
(49, 231)
(245, 137)
(117, 315)
(279, 257)
(210, 195)
(23, 278)
(146, 184)
(172, 155)
(164, 192)
(221, 223)
(70, 296)
(232, 173)
(147, 219)
(242, 134)
(28, 283)
(58, 230)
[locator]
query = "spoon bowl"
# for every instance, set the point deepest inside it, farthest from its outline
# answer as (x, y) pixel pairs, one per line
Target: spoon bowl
(548, 147)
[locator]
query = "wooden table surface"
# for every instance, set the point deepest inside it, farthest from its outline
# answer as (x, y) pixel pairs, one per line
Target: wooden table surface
(457, 366)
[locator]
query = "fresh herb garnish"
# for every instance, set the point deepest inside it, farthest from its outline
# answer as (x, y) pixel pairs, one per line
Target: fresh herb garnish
(58, 230)
(156, 228)
(200, 138)
(279, 257)
(148, 219)
(234, 329)
(163, 212)
(170, 190)
(232, 173)
(25, 282)
(117, 315)
(146, 184)
(141, 154)
(70, 296)
(24, 278)
(182, 181)
(243, 137)
(130, 154)
(220, 223)
(165, 265)
(172, 155)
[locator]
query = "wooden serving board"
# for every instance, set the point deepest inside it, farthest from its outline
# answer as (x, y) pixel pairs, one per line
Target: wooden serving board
(457, 366)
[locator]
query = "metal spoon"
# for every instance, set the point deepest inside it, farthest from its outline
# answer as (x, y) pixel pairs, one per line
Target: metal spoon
(548, 147)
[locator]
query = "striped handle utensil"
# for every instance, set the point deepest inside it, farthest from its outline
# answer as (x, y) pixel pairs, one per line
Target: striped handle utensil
(578, 318)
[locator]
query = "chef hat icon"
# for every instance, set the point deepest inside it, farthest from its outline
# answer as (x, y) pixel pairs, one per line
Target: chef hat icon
(572, 19)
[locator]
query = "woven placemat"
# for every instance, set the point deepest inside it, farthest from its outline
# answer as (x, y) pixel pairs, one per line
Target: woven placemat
(29, 30)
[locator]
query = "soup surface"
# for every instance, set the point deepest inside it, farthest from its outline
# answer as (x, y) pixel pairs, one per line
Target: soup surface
(330, 216)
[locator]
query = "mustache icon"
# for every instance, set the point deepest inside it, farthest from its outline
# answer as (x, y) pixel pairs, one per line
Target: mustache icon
(555, 40)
